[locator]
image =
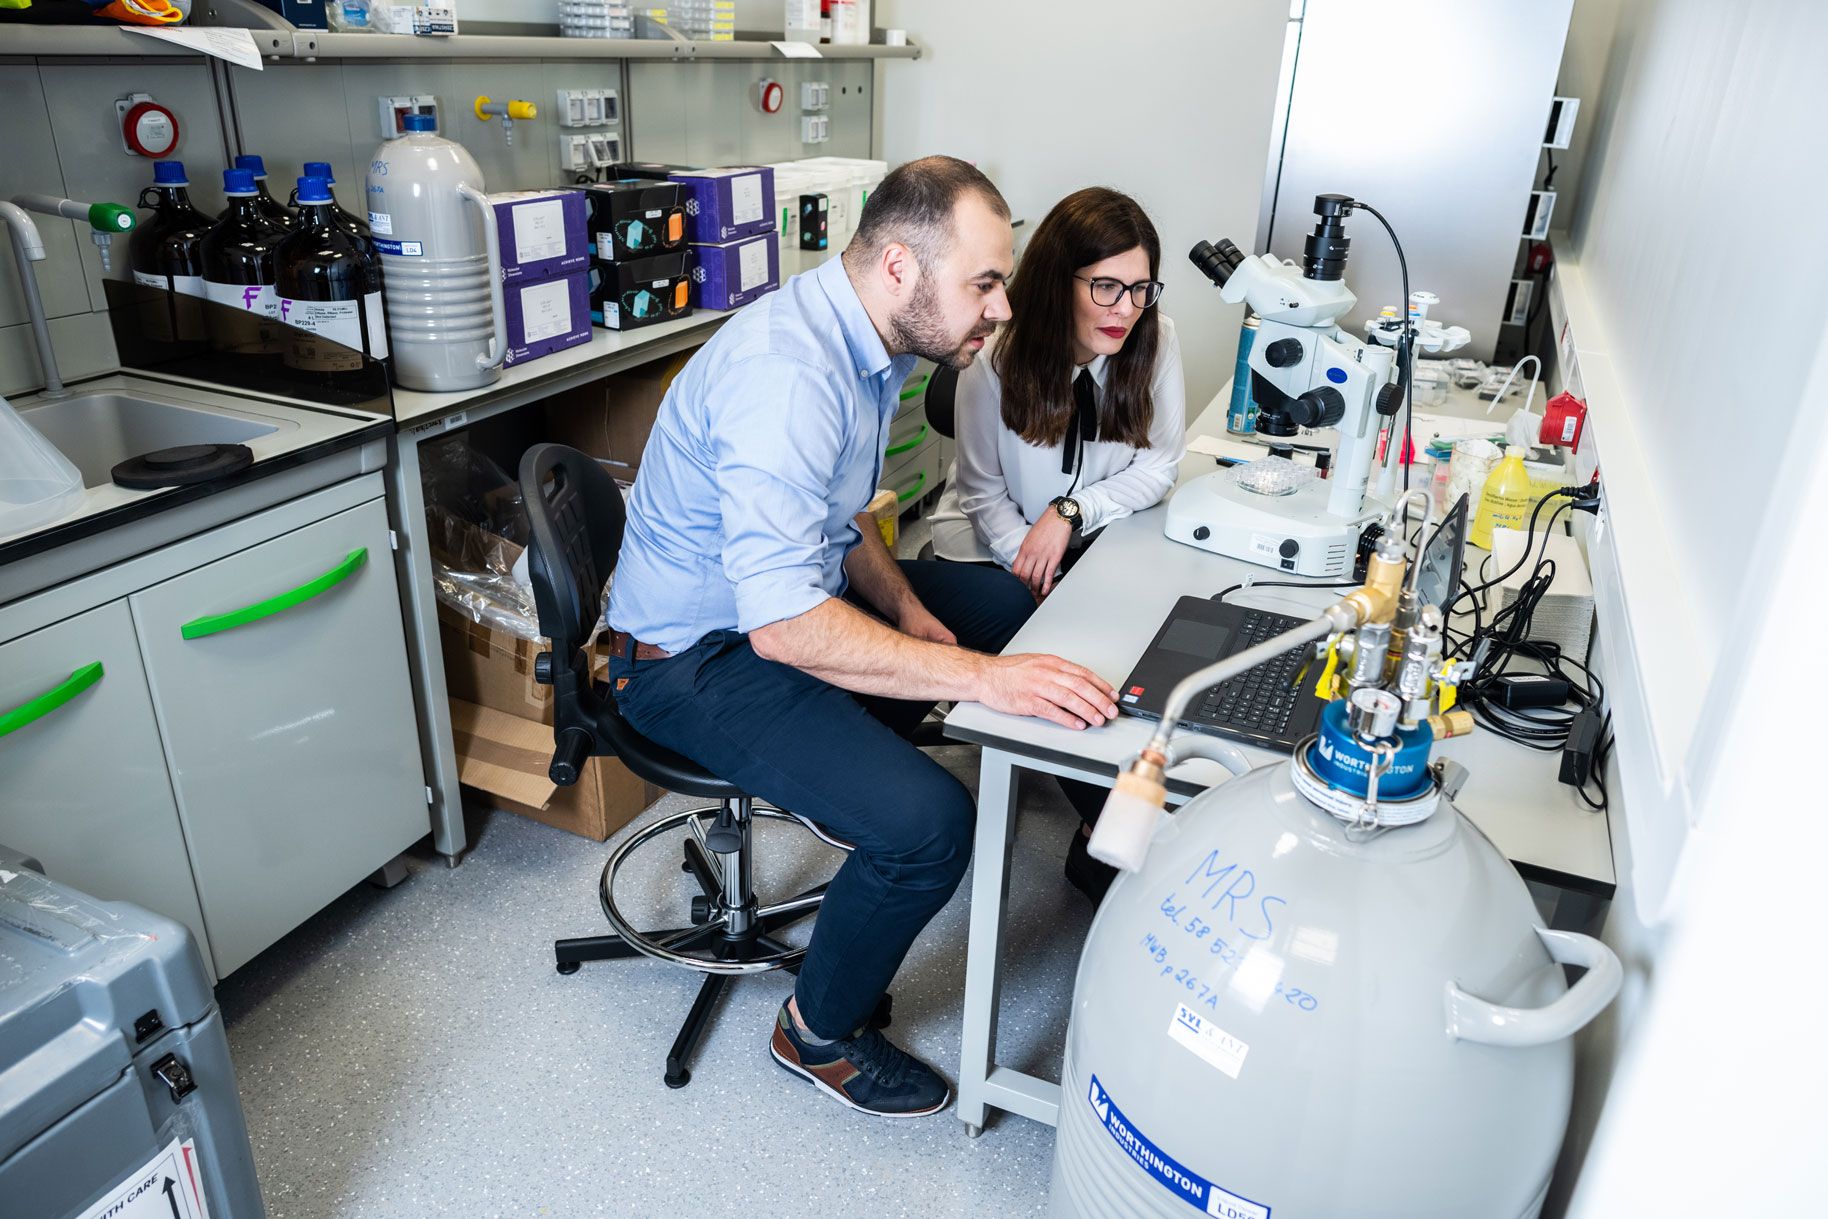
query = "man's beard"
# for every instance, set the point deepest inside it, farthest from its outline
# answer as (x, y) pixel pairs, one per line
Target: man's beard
(919, 329)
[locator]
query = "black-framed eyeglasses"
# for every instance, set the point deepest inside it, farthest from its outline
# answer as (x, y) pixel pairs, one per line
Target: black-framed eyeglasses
(1105, 292)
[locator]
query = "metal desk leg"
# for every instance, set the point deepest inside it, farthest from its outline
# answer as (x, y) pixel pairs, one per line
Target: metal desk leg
(427, 660)
(996, 812)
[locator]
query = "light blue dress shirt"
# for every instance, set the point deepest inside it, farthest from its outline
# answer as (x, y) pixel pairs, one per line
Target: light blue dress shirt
(767, 445)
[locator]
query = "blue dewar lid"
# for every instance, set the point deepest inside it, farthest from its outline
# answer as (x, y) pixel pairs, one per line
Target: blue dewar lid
(320, 169)
(314, 190)
(237, 181)
(169, 173)
(250, 162)
(418, 122)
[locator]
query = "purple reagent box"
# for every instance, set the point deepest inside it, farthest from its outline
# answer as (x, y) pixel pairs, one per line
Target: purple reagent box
(730, 275)
(725, 204)
(542, 233)
(546, 315)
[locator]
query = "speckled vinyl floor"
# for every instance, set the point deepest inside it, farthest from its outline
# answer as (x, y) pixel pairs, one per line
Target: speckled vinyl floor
(413, 1052)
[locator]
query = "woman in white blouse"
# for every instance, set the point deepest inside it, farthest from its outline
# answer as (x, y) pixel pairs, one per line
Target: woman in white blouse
(1077, 414)
(1074, 417)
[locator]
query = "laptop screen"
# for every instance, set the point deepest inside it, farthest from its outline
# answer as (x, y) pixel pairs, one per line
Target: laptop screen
(1440, 559)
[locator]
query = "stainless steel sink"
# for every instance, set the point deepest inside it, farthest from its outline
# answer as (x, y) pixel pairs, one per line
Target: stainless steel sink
(98, 431)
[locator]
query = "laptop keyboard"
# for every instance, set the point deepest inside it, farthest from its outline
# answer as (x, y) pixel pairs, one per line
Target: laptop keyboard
(1261, 703)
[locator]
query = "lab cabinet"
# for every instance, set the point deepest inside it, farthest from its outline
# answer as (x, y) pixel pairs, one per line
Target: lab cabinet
(83, 783)
(280, 680)
(911, 466)
(222, 730)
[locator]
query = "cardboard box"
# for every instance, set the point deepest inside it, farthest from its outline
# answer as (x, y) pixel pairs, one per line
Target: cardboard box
(726, 204)
(506, 756)
(546, 315)
(641, 291)
(730, 275)
(634, 219)
(610, 419)
(886, 508)
(542, 233)
(501, 719)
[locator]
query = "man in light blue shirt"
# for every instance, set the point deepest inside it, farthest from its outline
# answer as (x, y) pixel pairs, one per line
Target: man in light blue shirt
(763, 629)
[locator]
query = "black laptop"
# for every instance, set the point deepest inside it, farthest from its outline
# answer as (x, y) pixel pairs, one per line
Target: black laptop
(1262, 706)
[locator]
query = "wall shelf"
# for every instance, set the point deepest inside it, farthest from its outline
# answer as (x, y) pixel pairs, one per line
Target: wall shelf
(104, 42)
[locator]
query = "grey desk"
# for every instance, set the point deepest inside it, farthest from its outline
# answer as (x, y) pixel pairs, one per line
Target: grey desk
(1103, 615)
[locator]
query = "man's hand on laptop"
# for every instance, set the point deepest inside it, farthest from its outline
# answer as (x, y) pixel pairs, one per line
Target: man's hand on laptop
(1048, 687)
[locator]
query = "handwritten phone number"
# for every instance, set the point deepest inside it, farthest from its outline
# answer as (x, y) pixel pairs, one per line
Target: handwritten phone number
(1202, 991)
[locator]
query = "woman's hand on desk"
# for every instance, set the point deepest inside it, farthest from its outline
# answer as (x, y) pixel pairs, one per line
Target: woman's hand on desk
(1043, 548)
(1046, 686)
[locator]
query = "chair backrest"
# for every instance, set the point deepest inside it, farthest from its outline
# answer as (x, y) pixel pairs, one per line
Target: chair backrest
(942, 401)
(575, 510)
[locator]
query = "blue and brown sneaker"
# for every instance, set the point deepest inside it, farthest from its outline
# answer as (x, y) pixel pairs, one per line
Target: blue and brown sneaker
(865, 1071)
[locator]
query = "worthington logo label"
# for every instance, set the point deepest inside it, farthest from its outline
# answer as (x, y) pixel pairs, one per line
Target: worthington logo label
(1176, 1177)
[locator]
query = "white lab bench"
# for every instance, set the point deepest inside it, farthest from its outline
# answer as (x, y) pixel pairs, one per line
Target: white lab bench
(1103, 615)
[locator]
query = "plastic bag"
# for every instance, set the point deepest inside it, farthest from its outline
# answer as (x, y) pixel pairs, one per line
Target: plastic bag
(38, 484)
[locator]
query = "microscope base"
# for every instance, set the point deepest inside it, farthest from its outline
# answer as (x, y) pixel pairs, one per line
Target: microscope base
(1290, 533)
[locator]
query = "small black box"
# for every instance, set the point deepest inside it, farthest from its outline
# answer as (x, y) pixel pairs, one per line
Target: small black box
(639, 292)
(624, 171)
(634, 219)
(815, 222)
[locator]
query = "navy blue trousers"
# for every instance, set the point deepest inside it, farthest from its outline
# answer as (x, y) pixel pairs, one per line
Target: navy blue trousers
(840, 760)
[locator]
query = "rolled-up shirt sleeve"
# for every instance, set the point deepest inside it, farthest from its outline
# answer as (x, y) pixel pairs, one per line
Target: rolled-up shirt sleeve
(777, 431)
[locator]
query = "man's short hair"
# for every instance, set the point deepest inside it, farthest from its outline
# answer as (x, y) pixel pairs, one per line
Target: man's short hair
(914, 206)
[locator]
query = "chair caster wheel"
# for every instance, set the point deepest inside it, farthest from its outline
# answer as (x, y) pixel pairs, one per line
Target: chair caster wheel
(880, 1018)
(680, 1080)
(568, 967)
(971, 1132)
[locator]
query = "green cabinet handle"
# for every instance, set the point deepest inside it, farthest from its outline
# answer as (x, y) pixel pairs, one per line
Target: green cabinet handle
(905, 445)
(911, 492)
(914, 387)
(210, 624)
(51, 699)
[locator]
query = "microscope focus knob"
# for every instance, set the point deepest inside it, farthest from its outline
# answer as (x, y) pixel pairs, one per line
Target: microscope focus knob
(1390, 399)
(1282, 353)
(1322, 406)
(1201, 533)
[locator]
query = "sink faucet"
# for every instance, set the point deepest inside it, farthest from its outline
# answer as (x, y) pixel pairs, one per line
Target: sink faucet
(105, 220)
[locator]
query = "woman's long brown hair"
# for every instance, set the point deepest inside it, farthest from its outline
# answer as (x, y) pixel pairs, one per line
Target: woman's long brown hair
(1034, 355)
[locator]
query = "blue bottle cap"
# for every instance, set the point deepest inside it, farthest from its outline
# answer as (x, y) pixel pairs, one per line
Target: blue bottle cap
(418, 122)
(320, 169)
(313, 190)
(238, 182)
(169, 173)
(253, 163)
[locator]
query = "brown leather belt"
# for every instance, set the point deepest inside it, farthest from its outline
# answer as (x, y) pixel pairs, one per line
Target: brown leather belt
(618, 642)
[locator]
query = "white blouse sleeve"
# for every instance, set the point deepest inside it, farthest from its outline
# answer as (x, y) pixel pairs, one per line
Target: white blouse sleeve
(983, 491)
(1152, 471)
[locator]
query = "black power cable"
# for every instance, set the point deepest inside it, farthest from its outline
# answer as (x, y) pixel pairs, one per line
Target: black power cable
(1405, 352)
(1504, 641)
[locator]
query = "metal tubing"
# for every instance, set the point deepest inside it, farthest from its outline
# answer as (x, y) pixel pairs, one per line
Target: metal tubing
(28, 248)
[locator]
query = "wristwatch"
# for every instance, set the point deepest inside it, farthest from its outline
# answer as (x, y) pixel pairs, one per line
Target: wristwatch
(1069, 511)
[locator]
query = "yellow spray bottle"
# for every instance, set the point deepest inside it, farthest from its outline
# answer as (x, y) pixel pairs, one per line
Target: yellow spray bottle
(1507, 499)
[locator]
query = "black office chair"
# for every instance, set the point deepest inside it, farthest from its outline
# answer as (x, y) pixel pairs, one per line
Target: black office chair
(942, 411)
(577, 518)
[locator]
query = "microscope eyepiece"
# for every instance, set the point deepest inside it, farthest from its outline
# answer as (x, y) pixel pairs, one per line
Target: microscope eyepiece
(1216, 262)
